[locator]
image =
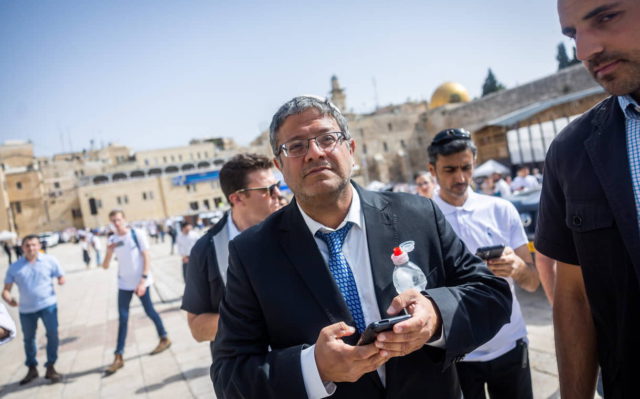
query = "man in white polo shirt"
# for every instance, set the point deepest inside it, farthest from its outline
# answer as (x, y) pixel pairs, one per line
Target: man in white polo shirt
(482, 220)
(134, 276)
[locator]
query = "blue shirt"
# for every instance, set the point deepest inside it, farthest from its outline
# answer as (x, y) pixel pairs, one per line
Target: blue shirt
(632, 120)
(34, 281)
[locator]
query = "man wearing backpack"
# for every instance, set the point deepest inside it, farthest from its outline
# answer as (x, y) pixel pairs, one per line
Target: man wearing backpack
(134, 276)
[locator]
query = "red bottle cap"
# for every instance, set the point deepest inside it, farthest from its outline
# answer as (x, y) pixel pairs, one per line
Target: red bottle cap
(397, 251)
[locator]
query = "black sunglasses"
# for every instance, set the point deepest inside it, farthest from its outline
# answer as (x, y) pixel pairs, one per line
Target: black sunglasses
(271, 188)
(448, 135)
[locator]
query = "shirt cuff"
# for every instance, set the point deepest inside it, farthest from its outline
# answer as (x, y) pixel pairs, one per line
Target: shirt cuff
(438, 343)
(312, 383)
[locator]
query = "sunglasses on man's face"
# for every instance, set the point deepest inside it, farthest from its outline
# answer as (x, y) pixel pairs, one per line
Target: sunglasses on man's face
(270, 189)
(448, 135)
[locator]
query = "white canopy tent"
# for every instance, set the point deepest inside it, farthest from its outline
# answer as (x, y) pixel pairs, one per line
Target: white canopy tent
(490, 167)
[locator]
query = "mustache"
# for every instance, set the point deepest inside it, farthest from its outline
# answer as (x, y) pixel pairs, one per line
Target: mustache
(603, 59)
(323, 164)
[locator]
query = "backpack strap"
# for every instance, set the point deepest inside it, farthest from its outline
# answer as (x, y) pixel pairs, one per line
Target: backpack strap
(135, 239)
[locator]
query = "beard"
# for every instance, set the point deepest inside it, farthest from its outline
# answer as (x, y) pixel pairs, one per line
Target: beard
(625, 79)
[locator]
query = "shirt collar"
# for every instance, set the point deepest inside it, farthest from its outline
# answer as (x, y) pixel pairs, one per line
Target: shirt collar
(629, 106)
(354, 216)
(232, 229)
(469, 205)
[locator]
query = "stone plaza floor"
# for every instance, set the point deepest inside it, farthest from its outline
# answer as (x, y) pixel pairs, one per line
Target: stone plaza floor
(88, 318)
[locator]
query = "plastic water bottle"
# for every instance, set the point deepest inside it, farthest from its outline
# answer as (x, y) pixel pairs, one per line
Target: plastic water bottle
(406, 274)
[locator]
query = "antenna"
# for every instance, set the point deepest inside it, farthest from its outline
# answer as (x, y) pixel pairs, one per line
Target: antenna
(375, 92)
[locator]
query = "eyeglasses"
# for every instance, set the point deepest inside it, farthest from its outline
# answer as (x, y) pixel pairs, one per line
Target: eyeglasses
(270, 189)
(448, 135)
(298, 148)
(423, 183)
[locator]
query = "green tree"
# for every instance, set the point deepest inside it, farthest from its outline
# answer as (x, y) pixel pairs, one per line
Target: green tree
(562, 57)
(491, 84)
(575, 59)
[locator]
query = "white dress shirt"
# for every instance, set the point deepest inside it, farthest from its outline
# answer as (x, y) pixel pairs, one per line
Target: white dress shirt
(355, 250)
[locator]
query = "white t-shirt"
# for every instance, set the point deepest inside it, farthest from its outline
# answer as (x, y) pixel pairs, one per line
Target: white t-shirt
(130, 259)
(486, 220)
(185, 242)
(95, 242)
(524, 183)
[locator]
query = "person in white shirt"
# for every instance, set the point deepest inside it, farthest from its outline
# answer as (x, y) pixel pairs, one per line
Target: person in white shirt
(134, 276)
(7, 326)
(186, 239)
(94, 240)
(524, 181)
(482, 220)
(502, 188)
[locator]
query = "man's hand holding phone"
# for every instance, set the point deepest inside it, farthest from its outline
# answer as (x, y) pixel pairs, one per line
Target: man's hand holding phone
(341, 362)
(506, 264)
(411, 334)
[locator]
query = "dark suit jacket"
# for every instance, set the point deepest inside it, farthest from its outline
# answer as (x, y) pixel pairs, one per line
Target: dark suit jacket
(280, 294)
(588, 217)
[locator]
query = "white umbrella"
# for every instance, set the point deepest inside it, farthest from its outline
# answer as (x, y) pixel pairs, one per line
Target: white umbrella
(490, 167)
(7, 235)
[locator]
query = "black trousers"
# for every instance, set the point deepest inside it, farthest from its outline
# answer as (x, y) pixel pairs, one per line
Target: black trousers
(507, 376)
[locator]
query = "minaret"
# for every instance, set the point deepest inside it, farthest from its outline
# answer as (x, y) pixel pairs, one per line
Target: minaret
(338, 98)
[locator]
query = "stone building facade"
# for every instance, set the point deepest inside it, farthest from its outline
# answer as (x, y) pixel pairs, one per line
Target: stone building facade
(392, 141)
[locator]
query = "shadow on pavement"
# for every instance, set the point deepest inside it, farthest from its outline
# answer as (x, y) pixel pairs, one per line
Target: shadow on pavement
(187, 375)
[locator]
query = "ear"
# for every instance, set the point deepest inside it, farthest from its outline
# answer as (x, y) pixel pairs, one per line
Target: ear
(352, 146)
(276, 162)
(235, 199)
(432, 170)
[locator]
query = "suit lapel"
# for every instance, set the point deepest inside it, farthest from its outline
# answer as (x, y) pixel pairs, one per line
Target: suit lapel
(382, 236)
(607, 149)
(301, 249)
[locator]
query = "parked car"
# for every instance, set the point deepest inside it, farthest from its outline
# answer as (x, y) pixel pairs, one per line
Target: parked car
(50, 238)
(526, 202)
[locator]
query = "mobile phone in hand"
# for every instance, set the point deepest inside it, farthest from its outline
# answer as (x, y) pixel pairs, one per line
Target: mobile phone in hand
(491, 252)
(369, 335)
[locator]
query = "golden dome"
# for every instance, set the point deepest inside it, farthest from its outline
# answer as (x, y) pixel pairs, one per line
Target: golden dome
(448, 93)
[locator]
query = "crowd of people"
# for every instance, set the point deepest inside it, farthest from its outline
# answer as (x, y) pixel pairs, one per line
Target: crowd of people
(283, 292)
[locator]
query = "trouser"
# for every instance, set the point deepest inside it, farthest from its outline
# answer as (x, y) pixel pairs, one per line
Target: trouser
(98, 257)
(184, 271)
(29, 323)
(507, 376)
(124, 300)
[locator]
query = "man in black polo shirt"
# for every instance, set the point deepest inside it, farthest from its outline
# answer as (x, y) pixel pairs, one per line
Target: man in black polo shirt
(589, 208)
(248, 183)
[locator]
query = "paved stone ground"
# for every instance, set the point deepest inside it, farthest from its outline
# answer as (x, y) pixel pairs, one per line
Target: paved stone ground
(88, 326)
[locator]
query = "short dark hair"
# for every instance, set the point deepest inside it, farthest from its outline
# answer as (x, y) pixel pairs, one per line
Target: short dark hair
(450, 147)
(185, 224)
(298, 105)
(233, 175)
(30, 237)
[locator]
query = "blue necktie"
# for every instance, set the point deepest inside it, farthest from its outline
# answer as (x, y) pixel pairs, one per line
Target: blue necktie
(342, 272)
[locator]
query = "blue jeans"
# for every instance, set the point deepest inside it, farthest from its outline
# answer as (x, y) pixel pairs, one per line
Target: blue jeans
(124, 300)
(29, 322)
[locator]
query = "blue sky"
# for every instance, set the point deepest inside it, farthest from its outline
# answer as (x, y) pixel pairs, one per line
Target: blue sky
(156, 73)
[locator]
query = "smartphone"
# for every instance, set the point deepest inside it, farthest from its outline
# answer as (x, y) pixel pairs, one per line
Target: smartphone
(119, 243)
(369, 335)
(492, 252)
